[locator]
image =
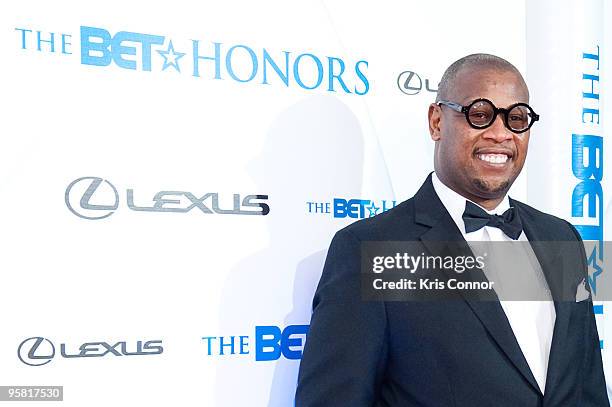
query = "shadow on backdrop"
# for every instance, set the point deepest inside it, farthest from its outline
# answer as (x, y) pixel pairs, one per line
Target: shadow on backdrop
(313, 152)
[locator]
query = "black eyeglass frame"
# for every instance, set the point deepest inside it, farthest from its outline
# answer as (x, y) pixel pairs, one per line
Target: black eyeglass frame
(466, 109)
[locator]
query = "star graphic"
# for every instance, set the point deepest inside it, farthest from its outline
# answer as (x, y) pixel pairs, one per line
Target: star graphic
(373, 209)
(592, 263)
(171, 57)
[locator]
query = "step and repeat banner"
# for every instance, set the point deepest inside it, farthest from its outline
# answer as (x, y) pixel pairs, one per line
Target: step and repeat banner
(171, 174)
(570, 76)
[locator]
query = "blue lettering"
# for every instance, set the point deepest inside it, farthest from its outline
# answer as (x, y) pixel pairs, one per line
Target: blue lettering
(230, 69)
(362, 77)
(95, 52)
(589, 147)
(353, 208)
(590, 186)
(99, 48)
(50, 41)
(197, 57)
(65, 43)
(594, 147)
(208, 340)
(146, 41)
(23, 36)
(119, 50)
(595, 57)
(243, 345)
(337, 76)
(296, 71)
(267, 59)
(592, 79)
(287, 342)
(273, 343)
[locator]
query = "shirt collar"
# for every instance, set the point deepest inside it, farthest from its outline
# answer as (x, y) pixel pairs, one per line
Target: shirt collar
(455, 203)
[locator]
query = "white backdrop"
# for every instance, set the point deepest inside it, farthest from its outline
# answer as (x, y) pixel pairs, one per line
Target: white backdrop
(570, 77)
(168, 134)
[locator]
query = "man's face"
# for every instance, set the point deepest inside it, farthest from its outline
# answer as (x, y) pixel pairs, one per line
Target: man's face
(479, 164)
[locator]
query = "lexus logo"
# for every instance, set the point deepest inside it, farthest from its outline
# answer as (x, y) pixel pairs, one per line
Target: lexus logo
(96, 198)
(410, 83)
(36, 351)
(86, 187)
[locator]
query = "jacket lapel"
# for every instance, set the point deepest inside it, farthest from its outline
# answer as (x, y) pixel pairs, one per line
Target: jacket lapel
(430, 211)
(549, 258)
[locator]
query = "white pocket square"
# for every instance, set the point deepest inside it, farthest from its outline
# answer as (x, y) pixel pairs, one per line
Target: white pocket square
(582, 293)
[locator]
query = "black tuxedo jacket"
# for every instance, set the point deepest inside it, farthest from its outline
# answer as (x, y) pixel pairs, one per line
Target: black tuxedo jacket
(441, 353)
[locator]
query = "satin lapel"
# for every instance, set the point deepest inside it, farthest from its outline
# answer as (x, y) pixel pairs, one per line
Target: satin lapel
(549, 258)
(430, 211)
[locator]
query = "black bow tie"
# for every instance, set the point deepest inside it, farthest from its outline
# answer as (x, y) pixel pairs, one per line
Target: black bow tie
(476, 218)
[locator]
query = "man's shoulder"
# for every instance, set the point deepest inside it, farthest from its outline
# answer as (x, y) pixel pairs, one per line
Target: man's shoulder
(554, 225)
(397, 223)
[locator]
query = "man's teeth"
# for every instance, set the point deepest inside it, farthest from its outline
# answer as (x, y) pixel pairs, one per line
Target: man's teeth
(493, 158)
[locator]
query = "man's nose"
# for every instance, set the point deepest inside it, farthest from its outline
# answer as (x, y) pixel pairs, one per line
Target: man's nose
(498, 131)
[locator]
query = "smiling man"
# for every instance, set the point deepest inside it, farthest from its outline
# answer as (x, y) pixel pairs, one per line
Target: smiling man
(462, 352)
(480, 149)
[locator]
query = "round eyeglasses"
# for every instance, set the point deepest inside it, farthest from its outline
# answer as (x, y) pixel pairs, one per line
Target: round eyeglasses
(481, 113)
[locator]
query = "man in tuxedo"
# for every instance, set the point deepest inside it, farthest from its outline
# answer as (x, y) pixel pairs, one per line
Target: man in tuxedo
(462, 352)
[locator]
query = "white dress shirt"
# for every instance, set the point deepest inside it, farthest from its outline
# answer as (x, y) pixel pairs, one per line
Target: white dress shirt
(532, 321)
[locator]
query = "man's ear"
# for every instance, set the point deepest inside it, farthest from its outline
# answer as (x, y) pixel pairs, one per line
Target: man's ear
(434, 116)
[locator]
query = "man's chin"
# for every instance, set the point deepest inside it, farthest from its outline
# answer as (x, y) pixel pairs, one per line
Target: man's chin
(492, 188)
